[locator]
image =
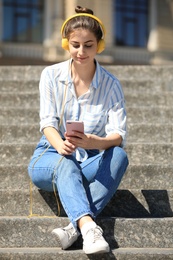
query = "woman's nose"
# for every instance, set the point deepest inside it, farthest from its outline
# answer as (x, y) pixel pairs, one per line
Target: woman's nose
(81, 49)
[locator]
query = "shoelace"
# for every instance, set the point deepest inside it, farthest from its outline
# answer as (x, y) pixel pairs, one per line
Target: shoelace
(96, 233)
(70, 231)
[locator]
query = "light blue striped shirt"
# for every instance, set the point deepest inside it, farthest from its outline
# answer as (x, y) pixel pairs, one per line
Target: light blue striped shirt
(101, 108)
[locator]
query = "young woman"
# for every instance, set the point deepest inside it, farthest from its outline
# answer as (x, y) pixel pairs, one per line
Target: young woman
(86, 168)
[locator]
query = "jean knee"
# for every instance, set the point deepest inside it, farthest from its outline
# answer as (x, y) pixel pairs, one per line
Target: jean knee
(120, 151)
(41, 178)
(119, 156)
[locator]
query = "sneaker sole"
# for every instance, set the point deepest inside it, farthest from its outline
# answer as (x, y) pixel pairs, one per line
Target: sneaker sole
(58, 239)
(97, 251)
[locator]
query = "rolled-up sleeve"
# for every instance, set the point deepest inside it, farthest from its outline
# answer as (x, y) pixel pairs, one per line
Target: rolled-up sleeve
(117, 121)
(48, 113)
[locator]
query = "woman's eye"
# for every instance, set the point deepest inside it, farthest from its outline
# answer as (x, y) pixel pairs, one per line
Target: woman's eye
(78, 46)
(88, 46)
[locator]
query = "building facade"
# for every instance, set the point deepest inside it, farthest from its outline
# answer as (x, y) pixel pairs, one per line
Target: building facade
(137, 31)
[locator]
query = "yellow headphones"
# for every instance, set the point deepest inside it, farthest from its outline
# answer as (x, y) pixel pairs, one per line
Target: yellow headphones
(101, 43)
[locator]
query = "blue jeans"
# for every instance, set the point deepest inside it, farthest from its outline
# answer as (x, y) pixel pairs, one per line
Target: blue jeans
(84, 188)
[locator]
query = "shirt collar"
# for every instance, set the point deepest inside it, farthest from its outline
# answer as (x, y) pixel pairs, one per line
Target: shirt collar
(97, 76)
(65, 75)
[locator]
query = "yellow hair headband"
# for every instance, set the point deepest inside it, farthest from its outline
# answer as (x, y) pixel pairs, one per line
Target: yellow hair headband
(88, 15)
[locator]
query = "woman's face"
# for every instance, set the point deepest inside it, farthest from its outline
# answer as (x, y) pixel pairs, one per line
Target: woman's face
(82, 46)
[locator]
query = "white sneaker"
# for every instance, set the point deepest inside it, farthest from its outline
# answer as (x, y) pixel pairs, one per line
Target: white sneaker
(66, 236)
(94, 242)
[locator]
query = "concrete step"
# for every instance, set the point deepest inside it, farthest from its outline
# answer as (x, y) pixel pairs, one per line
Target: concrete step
(142, 78)
(119, 232)
(16, 134)
(149, 132)
(145, 153)
(157, 73)
(141, 133)
(141, 177)
(131, 203)
(136, 115)
(148, 114)
(57, 253)
(17, 154)
(150, 153)
(19, 85)
(138, 153)
(145, 85)
(16, 99)
(147, 99)
(136, 98)
(13, 115)
(137, 85)
(20, 72)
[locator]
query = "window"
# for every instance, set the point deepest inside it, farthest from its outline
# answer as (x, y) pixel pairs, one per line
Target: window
(23, 21)
(131, 20)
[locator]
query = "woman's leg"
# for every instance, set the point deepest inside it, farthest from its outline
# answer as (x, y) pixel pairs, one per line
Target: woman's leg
(104, 173)
(47, 166)
(67, 175)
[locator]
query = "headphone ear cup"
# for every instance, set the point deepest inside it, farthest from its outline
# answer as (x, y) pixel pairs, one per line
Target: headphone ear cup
(65, 44)
(101, 46)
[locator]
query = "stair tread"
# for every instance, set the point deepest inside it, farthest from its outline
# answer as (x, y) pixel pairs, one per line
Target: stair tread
(141, 133)
(142, 177)
(146, 250)
(54, 253)
(128, 71)
(124, 232)
(136, 98)
(126, 203)
(138, 153)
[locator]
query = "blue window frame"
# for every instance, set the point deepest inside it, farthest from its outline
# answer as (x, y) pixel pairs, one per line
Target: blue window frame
(23, 20)
(131, 20)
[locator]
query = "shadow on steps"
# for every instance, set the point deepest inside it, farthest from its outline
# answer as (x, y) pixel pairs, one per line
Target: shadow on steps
(125, 204)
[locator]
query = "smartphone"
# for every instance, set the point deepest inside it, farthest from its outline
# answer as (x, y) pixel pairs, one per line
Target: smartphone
(74, 126)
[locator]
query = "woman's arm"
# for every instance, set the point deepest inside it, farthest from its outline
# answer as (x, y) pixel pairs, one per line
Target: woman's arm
(54, 138)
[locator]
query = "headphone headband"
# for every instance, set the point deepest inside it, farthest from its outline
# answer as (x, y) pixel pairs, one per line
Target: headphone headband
(84, 14)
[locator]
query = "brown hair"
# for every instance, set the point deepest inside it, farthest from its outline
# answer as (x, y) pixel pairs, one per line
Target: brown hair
(84, 22)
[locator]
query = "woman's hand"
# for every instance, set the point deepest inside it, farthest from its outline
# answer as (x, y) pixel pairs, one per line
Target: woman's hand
(85, 141)
(62, 147)
(66, 148)
(91, 141)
